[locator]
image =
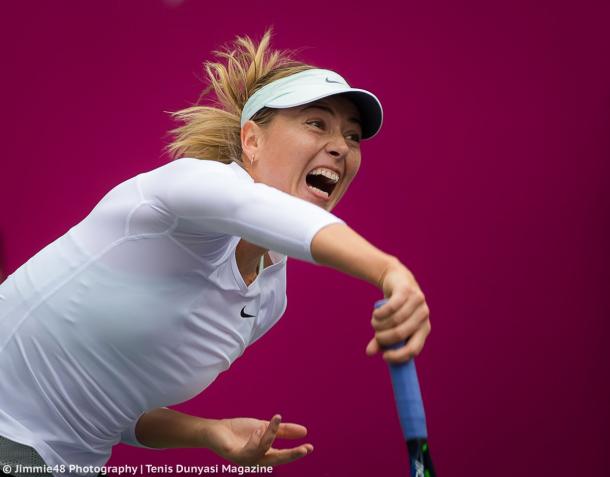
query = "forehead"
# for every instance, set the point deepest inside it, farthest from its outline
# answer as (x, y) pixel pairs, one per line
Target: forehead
(338, 106)
(338, 103)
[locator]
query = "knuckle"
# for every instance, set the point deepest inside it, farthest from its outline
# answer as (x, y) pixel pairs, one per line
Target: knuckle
(419, 296)
(397, 335)
(422, 317)
(400, 318)
(402, 333)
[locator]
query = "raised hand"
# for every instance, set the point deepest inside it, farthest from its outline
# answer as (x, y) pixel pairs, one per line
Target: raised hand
(247, 441)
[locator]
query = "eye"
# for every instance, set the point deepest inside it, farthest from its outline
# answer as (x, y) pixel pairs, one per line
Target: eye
(355, 137)
(316, 123)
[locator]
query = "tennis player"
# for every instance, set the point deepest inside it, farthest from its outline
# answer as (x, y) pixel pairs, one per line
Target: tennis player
(177, 270)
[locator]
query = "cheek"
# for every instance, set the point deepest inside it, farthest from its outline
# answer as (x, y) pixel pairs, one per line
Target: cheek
(283, 159)
(352, 170)
(291, 151)
(289, 143)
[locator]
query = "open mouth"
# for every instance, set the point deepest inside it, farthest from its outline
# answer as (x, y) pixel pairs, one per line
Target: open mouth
(322, 181)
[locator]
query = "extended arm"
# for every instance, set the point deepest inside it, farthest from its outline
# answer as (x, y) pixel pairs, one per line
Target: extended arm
(338, 246)
(243, 441)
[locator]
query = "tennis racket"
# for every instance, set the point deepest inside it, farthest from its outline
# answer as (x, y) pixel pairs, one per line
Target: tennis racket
(411, 413)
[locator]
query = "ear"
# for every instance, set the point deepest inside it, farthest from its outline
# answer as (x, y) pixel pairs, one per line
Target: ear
(250, 138)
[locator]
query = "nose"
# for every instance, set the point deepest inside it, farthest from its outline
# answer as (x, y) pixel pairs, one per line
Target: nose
(337, 146)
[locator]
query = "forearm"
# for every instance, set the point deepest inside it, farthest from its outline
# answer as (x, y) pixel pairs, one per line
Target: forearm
(165, 428)
(340, 247)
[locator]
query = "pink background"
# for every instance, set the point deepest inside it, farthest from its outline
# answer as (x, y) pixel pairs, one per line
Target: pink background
(489, 179)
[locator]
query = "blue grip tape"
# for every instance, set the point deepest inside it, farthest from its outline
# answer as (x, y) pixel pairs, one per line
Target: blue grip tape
(408, 395)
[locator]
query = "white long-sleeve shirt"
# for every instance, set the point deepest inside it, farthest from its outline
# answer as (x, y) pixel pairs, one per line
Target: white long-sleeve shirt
(141, 305)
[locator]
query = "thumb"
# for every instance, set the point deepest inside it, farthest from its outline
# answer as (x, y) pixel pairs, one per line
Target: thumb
(372, 347)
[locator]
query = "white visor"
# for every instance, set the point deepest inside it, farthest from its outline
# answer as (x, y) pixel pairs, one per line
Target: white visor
(311, 85)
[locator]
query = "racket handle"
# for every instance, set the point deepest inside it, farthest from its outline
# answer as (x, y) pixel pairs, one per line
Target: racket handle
(407, 394)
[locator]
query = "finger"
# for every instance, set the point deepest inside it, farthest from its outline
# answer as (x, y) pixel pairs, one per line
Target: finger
(391, 306)
(398, 317)
(290, 430)
(270, 433)
(410, 294)
(283, 456)
(405, 329)
(372, 347)
(412, 348)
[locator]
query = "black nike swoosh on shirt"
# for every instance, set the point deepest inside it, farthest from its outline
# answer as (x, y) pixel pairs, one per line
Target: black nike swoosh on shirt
(246, 315)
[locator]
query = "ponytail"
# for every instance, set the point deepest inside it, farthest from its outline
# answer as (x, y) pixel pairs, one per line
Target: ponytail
(213, 131)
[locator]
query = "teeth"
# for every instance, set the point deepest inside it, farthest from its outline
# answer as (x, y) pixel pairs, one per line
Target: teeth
(318, 190)
(332, 175)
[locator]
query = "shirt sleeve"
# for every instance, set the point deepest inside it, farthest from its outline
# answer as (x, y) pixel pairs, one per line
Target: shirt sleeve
(208, 197)
(128, 436)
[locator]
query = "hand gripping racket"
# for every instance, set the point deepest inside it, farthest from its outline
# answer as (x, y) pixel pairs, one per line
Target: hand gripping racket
(411, 413)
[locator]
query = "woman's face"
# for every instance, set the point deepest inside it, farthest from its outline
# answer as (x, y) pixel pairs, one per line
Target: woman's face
(310, 151)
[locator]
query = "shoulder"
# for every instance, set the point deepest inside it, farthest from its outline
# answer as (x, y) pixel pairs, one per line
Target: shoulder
(189, 185)
(190, 165)
(192, 173)
(193, 162)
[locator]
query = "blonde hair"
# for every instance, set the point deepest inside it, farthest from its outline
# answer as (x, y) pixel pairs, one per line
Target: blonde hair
(213, 132)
